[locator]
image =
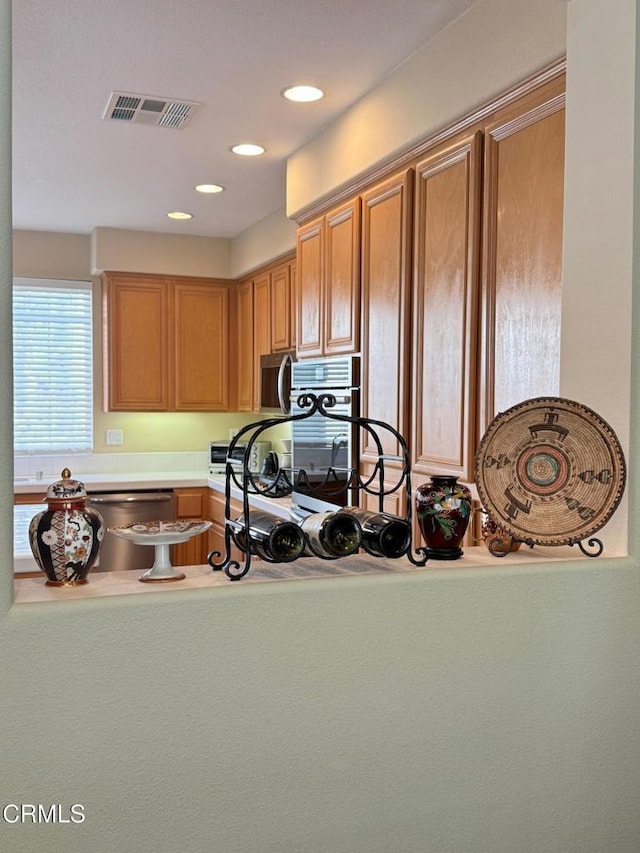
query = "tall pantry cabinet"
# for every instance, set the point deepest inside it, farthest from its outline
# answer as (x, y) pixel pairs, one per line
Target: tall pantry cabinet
(487, 277)
(386, 271)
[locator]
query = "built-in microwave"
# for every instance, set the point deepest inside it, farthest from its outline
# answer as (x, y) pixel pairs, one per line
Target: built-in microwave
(219, 451)
(275, 383)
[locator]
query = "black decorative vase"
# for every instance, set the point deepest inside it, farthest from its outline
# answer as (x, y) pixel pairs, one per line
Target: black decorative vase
(443, 509)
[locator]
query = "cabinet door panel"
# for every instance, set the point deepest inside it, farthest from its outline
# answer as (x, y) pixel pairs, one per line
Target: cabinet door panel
(445, 308)
(280, 309)
(394, 499)
(245, 347)
(202, 347)
(261, 328)
(342, 284)
(522, 269)
(138, 343)
(310, 275)
(217, 531)
(385, 311)
(191, 503)
(293, 303)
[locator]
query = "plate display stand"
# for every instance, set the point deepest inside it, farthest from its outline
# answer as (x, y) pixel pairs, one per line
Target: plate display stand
(333, 483)
(549, 471)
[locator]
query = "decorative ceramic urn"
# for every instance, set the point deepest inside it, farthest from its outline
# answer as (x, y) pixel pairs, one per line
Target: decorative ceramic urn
(66, 537)
(443, 508)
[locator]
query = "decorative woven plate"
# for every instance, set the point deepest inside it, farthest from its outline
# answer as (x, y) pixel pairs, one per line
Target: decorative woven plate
(550, 471)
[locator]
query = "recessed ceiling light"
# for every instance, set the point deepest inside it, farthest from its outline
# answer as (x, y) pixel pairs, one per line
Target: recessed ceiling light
(248, 149)
(179, 214)
(209, 188)
(302, 94)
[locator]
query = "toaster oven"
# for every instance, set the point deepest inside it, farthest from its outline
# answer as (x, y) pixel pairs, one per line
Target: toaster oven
(219, 451)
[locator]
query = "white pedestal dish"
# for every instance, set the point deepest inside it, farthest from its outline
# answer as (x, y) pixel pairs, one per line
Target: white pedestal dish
(161, 534)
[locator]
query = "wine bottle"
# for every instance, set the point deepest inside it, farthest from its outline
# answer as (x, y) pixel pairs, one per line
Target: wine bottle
(383, 534)
(271, 537)
(331, 534)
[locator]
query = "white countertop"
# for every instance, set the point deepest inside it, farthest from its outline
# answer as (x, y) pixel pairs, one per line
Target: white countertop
(118, 481)
(278, 506)
(163, 480)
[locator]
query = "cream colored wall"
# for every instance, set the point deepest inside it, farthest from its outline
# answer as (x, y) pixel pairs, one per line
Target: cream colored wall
(465, 65)
(595, 359)
(44, 254)
(273, 236)
(168, 254)
(447, 710)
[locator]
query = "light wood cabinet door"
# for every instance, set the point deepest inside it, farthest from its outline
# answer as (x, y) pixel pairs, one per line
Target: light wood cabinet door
(261, 328)
(216, 504)
(166, 344)
(192, 504)
(342, 280)
(328, 283)
(281, 308)
(138, 338)
(246, 366)
(394, 498)
(522, 252)
(445, 308)
(309, 291)
(386, 246)
(293, 302)
(201, 316)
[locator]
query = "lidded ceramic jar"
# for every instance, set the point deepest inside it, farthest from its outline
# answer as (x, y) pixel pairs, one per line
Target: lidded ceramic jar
(66, 537)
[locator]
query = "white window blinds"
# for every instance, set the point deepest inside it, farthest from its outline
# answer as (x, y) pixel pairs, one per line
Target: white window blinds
(52, 366)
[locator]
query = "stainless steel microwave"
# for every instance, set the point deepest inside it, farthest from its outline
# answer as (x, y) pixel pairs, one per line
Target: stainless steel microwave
(275, 383)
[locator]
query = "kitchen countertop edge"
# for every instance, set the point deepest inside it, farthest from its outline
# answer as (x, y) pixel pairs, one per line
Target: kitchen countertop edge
(168, 480)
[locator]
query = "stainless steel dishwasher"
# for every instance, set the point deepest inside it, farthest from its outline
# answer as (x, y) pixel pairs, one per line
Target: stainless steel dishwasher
(120, 508)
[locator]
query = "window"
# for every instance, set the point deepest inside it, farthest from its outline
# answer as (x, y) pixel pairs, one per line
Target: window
(53, 366)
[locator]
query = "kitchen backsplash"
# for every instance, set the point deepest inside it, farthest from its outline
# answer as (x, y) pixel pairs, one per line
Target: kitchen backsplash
(110, 463)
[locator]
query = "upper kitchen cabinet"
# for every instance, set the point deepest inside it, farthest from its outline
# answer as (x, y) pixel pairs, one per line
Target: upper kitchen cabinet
(522, 218)
(283, 306)
(328, 283)
(386, 272)
(445, 299)
(244, 347)
(265, 324)
(201, 347)
(487, 276)
(166, 343)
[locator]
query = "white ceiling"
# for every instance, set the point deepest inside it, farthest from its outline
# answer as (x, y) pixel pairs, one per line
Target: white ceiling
(74, 171)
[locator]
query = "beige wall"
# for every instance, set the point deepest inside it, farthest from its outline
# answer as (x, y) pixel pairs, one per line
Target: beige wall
(273, 236)
(43, 254)
(595, 359)
(447, 710)
(167, 254)
(464, 66)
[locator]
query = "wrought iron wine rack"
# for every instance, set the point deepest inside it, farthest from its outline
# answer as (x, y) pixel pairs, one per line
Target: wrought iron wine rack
(334, 482)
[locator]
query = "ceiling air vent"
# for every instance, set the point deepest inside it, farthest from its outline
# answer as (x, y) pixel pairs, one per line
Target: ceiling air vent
(149, 109)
